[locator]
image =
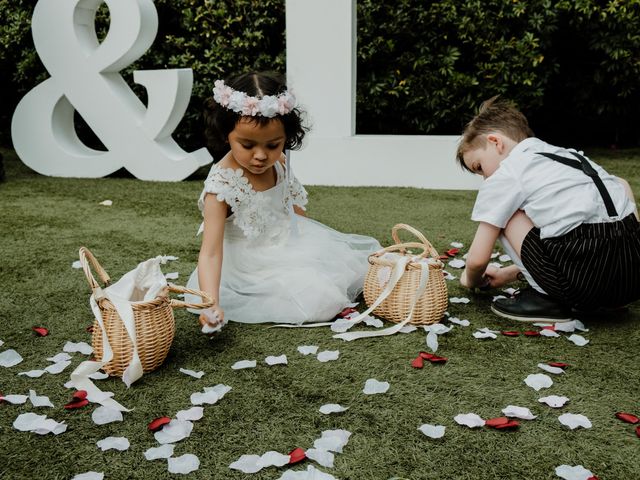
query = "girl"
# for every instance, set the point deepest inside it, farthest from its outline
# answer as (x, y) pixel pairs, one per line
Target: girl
(261, 259)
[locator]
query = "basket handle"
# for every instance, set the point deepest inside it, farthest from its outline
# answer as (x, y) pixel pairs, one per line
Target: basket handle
(87, 260)
(208, 303)
(428, 248)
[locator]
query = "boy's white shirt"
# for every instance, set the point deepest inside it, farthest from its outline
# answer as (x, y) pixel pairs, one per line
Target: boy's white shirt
(556, 198)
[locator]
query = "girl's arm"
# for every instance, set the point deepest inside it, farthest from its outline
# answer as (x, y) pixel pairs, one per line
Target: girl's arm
(299, 211)
(479, 255)
(210, 257)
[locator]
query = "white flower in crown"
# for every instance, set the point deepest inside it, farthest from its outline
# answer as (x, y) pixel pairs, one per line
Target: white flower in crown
(269, 106)
(236, 101)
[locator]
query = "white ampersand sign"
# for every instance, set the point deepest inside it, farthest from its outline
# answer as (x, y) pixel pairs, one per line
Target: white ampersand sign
(85, 77)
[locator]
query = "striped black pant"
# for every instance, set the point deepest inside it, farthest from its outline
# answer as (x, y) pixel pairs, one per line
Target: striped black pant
(593, 265)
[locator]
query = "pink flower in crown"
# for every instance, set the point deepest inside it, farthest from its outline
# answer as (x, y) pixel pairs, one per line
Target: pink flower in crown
(286, 102)
(221, 92)
(250, 106)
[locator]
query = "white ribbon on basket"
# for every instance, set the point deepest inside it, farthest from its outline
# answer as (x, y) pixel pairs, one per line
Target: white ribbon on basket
(399, 267)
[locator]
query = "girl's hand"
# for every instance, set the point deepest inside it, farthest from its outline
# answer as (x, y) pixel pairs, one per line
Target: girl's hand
(495, 277)
(212, 319)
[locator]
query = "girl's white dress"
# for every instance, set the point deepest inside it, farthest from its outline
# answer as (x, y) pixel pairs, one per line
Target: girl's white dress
(278, 266)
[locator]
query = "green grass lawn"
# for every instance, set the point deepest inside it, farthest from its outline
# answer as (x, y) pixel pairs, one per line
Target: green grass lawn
(43, 222)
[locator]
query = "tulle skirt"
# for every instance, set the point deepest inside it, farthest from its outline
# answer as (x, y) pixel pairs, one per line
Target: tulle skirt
(308, 278)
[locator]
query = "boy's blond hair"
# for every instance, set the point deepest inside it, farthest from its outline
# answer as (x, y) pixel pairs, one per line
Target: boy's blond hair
(494, 115)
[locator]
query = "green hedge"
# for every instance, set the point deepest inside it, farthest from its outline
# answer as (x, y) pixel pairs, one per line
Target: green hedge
(423, 67)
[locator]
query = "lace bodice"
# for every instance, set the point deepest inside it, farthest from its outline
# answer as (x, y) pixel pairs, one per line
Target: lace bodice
(256, 214)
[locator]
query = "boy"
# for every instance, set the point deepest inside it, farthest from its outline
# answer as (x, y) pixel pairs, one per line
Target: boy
(570, 228)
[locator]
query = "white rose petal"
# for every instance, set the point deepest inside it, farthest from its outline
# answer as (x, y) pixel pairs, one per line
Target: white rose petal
(33, 373)
(373, 386)
(192, 414)
(574, 421)
(76, 264)
(546, 332)
(332, 408)
(9, 358)
(174, 431)
(321, 457)
(171, 275)
(459, 300)
(432, 431)
(82, 347)
(39, 400)
(89, 476)
(200, 398)
(554, 401)
(220, 390)
(115, 443)
(328, 355)
(163, 451)
(106, 203)
(579, 340)
(192, 373)
(58, 367)
(373, 321)
(485, 333)
(518, 412)
(183, 464)
(40, 424)
(457, 321)
(273, 360)
(550, 369)
(448, 276)
(456, 244)
(332, 440)
(456, 263)
(565, 326)
(573, 473)
(470, 420)
(308, 349)
(504, 258)
(103, 415)
(247, 464)
(538, 381)
(15, 399)
(274, 459)
(240, 364)
(60, 357)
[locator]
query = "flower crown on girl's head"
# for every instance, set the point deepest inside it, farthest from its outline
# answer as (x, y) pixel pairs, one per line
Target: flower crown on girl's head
(268, 106)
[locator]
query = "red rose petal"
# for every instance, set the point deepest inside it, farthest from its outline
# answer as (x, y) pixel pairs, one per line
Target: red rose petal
(558, 364)
(443, 257)
(426, 355)
(437, 359)
(76, 404)
(510, 333)
(346, 312)
(158, 423)
(494, 422)
(531, 333)
(452, 252)
(593, 478)
(417, 362)
(627, 417)
(80, 395)
(40, 331)
(549, 327)
(297, 455)
(510, 424)
(638, 431)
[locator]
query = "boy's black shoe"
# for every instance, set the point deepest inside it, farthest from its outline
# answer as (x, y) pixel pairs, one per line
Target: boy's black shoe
(529, 305)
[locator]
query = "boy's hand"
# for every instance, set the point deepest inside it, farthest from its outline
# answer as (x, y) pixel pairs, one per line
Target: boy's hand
(212, 319)
(496, 277)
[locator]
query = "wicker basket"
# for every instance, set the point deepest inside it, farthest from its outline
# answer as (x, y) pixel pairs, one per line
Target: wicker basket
(155, 324)
(431, 306)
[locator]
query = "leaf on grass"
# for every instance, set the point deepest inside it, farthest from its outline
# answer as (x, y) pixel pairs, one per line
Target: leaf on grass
(518, 412)
(470, 420)
(554, 401)
(273, 360)
(577, 472)
(627, 417)
(328, 408)
(328, 355)
(40, 331)
(373, 386)
(241, 364)
(192, 414)
(574, 421)
(579, 340)
(174, 431)
(548, 368)
(321, 457)
(538, 381)
(308, 349)
(81, 347)
(103, 415)
(192, 373)
(183, 464)
(296, 455)
(163, 451)
(432, 431)
(39, 400)
(9, 358)
(113, 443)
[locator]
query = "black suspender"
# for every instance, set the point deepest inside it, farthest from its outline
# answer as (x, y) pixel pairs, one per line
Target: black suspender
(584, 165)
